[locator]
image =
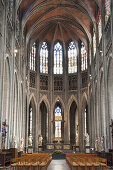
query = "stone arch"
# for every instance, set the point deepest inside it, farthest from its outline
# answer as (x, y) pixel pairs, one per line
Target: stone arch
(59, 99)
(84, 114)
(58, 103)
(71, 99)
(73, 133)
(43, 109)
(32, 128)
(44, 98)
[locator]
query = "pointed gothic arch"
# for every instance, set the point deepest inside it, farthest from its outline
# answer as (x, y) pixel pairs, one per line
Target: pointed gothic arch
(58, 121)
(73, 122)
(44, 122)
(32, 120)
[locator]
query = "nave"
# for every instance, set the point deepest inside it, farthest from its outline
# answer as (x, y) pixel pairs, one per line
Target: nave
(57, 165)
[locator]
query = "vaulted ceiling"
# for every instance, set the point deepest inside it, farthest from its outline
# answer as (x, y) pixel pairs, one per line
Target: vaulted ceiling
(58, 19)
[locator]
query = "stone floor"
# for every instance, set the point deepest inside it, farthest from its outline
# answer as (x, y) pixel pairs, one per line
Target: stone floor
(58, 165)
(61, 165)
(55, 165)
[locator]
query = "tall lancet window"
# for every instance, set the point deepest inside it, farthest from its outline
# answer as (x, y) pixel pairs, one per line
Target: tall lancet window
(30, 121)
(33, 57)
(72, 58)
(94, 44)
(58, 119)
(58, 58)
(83, 57)
(99, 21)
(107, 10)
(44, 58)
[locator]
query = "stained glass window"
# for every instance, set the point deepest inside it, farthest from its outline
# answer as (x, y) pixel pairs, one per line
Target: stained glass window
(58, 58)
(44, 58)
(83, 57)
(58, 118)
(32, 57)
(72, 58)
(107, 9)
(94, 43)
(85, 121)
(30, 121)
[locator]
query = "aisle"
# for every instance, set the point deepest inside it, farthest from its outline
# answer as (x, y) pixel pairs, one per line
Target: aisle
(58, 165)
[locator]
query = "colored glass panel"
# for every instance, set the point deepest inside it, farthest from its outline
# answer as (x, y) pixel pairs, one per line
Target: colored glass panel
(83, 57)
(107, 9)
(72, 58)
(33, 57)
(58, 58)
(58, 115)
(44, 58)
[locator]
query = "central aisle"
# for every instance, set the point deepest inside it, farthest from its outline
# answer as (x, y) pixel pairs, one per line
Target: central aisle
(58, 165)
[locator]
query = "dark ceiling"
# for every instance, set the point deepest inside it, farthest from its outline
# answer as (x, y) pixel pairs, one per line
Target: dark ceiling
(58, 19)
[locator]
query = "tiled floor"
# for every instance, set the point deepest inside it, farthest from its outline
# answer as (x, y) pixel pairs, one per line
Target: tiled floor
(58, 165)
(61, 165)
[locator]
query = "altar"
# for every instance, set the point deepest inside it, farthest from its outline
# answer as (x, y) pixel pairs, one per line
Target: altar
(57, 146)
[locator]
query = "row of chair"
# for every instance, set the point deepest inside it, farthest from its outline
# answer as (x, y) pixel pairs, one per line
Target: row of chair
(31, 162)
(86, 161)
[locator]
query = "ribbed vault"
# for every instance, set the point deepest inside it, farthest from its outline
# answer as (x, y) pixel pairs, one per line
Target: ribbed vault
(58, 19)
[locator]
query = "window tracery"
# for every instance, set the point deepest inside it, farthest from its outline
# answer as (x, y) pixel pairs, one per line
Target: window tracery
(58, 58)
(33, 58)
(83, 57)
(72, 58)
(44, 58)
(107, 10)
(58, 119)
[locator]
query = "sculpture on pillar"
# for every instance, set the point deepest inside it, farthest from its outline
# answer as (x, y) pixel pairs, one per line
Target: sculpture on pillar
(4, 132)
(112, 131)
(87, 140)
(30, 140)
(102, 143)
(14, 142)
(77, 138)
(96, 144)
(21, 144)
(40, 138)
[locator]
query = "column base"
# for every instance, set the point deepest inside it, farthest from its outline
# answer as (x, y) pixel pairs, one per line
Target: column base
(30, 149)
(87, 149)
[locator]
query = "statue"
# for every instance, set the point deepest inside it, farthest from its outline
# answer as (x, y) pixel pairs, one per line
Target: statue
(14, 142)
(40, 138)
(112, 131)
(21, 144)
(87, 140)
(96, 144)
(30, 140)
(76, 138)
(102, 143)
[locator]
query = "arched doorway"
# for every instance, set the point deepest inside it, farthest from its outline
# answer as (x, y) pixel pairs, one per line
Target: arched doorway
(32, 121)
(44, 123)
(73, 110)
(58, 123)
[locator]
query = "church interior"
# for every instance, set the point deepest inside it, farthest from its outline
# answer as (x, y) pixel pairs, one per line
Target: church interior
(56, 79)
